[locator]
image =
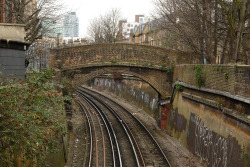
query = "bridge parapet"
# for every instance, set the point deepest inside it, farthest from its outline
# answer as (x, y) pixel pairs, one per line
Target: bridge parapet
(119, 55)
(81, 63)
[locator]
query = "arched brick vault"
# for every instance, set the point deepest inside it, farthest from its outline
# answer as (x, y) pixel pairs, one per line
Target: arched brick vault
(158, 79)
(145, 62)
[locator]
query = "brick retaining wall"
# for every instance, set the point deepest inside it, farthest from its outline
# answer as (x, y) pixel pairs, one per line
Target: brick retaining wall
(228, 78)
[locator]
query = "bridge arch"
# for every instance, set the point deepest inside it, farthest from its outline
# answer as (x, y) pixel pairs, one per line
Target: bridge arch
(149, 63)
(159, 80)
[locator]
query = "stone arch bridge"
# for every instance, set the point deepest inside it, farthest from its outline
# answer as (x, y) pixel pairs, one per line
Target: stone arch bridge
(154, 65)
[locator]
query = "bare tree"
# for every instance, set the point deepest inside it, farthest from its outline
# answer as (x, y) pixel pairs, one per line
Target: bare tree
(95, 31)
(236, 14)
(110, 23)
(210, 28)
(37, 15)
(105, 28)
(184, 19)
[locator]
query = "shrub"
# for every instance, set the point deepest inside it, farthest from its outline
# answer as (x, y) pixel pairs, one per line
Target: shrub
(31, 115)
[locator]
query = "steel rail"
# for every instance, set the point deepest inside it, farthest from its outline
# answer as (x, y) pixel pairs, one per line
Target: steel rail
(110, 131)
(110, 126)
(90, 131)
(103, 138)
(137, 146)
(163, 154)
(123, 125)
(127, 131)
(95, 134)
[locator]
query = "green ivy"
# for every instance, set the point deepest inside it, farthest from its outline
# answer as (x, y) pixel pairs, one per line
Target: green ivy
(198, 76)
(31, 116)
(164, 59)
(178, 87)
(226, 75)
(220, 68)
(169, 69)
(113, 61)
(163, 66)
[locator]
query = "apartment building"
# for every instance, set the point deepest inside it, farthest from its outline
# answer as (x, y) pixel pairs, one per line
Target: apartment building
(71, 25)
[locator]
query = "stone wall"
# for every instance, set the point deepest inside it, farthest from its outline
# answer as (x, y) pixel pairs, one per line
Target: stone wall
(211, 118)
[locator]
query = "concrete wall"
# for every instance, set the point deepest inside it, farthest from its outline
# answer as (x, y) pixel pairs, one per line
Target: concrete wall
(12, 50)
(12, 63)
(14, 32)
(215, 125)
(217, 139)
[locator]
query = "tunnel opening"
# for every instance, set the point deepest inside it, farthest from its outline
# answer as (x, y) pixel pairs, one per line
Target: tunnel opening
(129, 87)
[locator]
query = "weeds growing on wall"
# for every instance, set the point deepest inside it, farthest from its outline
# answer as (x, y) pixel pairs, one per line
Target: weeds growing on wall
(113, 61)
(31, 115)
(164, 59)
(226, 74)
(198, 76)
(163, 66)
(220, 68)
(178, 87)
(167, 69)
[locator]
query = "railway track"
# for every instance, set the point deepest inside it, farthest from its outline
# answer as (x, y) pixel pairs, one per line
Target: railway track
(137, 147)
(89, 137)
(98, 156)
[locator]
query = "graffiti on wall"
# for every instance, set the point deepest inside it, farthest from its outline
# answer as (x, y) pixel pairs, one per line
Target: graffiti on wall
(177, 121)
(214, 149)
(130, 91)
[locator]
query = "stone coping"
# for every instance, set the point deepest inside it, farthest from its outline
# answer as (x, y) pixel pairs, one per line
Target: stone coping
(12, 24)
(217, 92)
(215, 65)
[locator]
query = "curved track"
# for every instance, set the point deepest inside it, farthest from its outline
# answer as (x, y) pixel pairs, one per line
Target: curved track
(145, 148)
(121, 145)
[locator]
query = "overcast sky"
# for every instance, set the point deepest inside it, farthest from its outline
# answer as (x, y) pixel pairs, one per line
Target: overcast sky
(89, 9)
